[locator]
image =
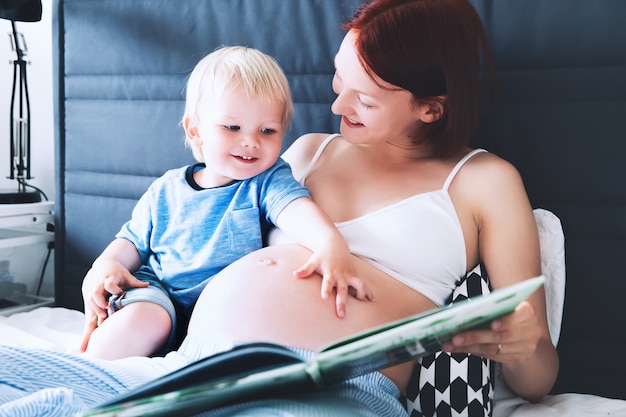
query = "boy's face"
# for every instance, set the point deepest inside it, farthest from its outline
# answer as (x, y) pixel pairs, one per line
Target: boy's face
(239, 136)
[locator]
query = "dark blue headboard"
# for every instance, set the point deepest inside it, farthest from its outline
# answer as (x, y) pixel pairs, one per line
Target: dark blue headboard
(120, 72)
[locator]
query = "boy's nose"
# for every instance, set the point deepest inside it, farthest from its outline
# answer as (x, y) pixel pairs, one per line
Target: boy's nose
(250, 141)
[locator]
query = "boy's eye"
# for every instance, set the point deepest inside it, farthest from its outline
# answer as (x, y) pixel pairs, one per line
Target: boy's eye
(233, 128)
(267, 131)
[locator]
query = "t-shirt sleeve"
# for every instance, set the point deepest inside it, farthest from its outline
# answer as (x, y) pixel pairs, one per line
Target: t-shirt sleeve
(279, 189)
(139, 228)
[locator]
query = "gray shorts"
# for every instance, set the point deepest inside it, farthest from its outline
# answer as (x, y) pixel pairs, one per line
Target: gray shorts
(155, 293)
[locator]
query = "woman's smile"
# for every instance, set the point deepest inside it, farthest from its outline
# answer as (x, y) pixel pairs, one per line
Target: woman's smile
(351, 123)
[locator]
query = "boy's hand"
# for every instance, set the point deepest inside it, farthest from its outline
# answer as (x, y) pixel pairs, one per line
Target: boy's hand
(338, 273)
(109, 275)
(331, 256)
(104, 279)
(91, 322)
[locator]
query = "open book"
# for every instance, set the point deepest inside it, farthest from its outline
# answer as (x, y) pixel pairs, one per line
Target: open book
(262, 370)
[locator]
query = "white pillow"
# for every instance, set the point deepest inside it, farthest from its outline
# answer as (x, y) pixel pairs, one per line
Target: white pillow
(552, 244)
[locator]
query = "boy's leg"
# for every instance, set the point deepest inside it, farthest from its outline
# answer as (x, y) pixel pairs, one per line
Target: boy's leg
(141, 322)
(139, 329)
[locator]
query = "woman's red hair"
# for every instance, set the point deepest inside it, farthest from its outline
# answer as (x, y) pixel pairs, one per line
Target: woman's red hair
(430, 48)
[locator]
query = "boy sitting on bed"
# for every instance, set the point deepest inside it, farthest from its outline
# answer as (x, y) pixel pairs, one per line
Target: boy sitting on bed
(194, 221)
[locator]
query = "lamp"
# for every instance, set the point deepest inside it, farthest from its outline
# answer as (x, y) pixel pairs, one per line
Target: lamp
(23, 11)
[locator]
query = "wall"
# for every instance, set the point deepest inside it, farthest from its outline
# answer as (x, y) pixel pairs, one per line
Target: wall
(38, 37)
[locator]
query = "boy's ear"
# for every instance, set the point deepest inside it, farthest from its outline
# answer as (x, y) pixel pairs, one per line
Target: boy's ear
(432, 109)
(191, 131)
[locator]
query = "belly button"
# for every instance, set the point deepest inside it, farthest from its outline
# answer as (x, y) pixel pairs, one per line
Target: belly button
(266, 261)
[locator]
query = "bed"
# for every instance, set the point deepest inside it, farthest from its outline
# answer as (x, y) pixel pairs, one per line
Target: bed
(120, 69)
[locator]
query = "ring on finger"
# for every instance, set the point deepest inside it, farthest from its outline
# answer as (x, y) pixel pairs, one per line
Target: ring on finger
(499, 349)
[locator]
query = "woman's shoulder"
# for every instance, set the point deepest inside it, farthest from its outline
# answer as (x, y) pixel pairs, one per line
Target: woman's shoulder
(303, 149)
(488, 169)
(486, 178)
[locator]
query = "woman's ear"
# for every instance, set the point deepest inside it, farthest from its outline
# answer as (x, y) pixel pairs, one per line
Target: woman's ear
(432, 109)
(191, 131)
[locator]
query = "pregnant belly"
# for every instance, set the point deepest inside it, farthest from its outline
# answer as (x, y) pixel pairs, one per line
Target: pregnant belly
(258, 299)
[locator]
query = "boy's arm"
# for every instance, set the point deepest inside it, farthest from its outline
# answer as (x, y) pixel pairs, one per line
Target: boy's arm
(305, 222)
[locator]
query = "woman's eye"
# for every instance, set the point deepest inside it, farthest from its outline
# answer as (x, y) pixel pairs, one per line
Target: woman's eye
(267, 131)
(367, 106)
(233, 128)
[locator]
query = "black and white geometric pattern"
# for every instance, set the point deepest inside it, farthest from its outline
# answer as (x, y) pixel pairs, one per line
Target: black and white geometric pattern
(458, 384)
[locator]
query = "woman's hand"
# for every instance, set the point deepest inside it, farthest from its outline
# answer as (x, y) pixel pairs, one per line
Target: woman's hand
(529, 360)
(338, 274)
(511, 339)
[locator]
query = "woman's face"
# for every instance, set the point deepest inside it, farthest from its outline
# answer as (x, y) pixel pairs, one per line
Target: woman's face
(370, 114)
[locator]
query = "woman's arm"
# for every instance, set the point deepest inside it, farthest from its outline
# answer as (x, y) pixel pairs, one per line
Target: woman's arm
(508, 245)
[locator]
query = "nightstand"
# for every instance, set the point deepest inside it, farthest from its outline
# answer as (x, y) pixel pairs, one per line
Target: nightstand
(26, 256)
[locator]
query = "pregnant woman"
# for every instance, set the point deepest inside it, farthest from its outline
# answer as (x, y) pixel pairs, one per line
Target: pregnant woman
(417, 206)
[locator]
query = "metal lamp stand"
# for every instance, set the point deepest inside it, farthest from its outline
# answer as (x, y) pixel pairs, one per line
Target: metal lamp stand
(19, 130)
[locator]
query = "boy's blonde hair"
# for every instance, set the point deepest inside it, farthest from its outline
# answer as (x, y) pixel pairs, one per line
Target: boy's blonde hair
(230, 67)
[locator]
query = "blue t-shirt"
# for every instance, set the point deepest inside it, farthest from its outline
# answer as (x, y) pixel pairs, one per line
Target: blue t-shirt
(186, 234)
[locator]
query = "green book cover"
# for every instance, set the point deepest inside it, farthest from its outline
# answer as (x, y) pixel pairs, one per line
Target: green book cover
(264, 370)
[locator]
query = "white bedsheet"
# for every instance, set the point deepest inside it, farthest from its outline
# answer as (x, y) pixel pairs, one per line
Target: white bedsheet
(45, 327)
(60, 329)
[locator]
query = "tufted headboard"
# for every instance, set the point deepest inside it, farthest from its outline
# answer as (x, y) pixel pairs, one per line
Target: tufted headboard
(120, 69)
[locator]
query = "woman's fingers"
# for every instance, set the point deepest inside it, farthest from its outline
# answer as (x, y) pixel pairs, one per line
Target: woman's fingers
(511, 338)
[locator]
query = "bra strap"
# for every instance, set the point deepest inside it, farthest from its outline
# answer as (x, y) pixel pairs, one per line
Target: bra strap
(459, 165)
(319, 151)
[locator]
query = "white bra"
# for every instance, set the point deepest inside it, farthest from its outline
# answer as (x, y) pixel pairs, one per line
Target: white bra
(418, 240)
